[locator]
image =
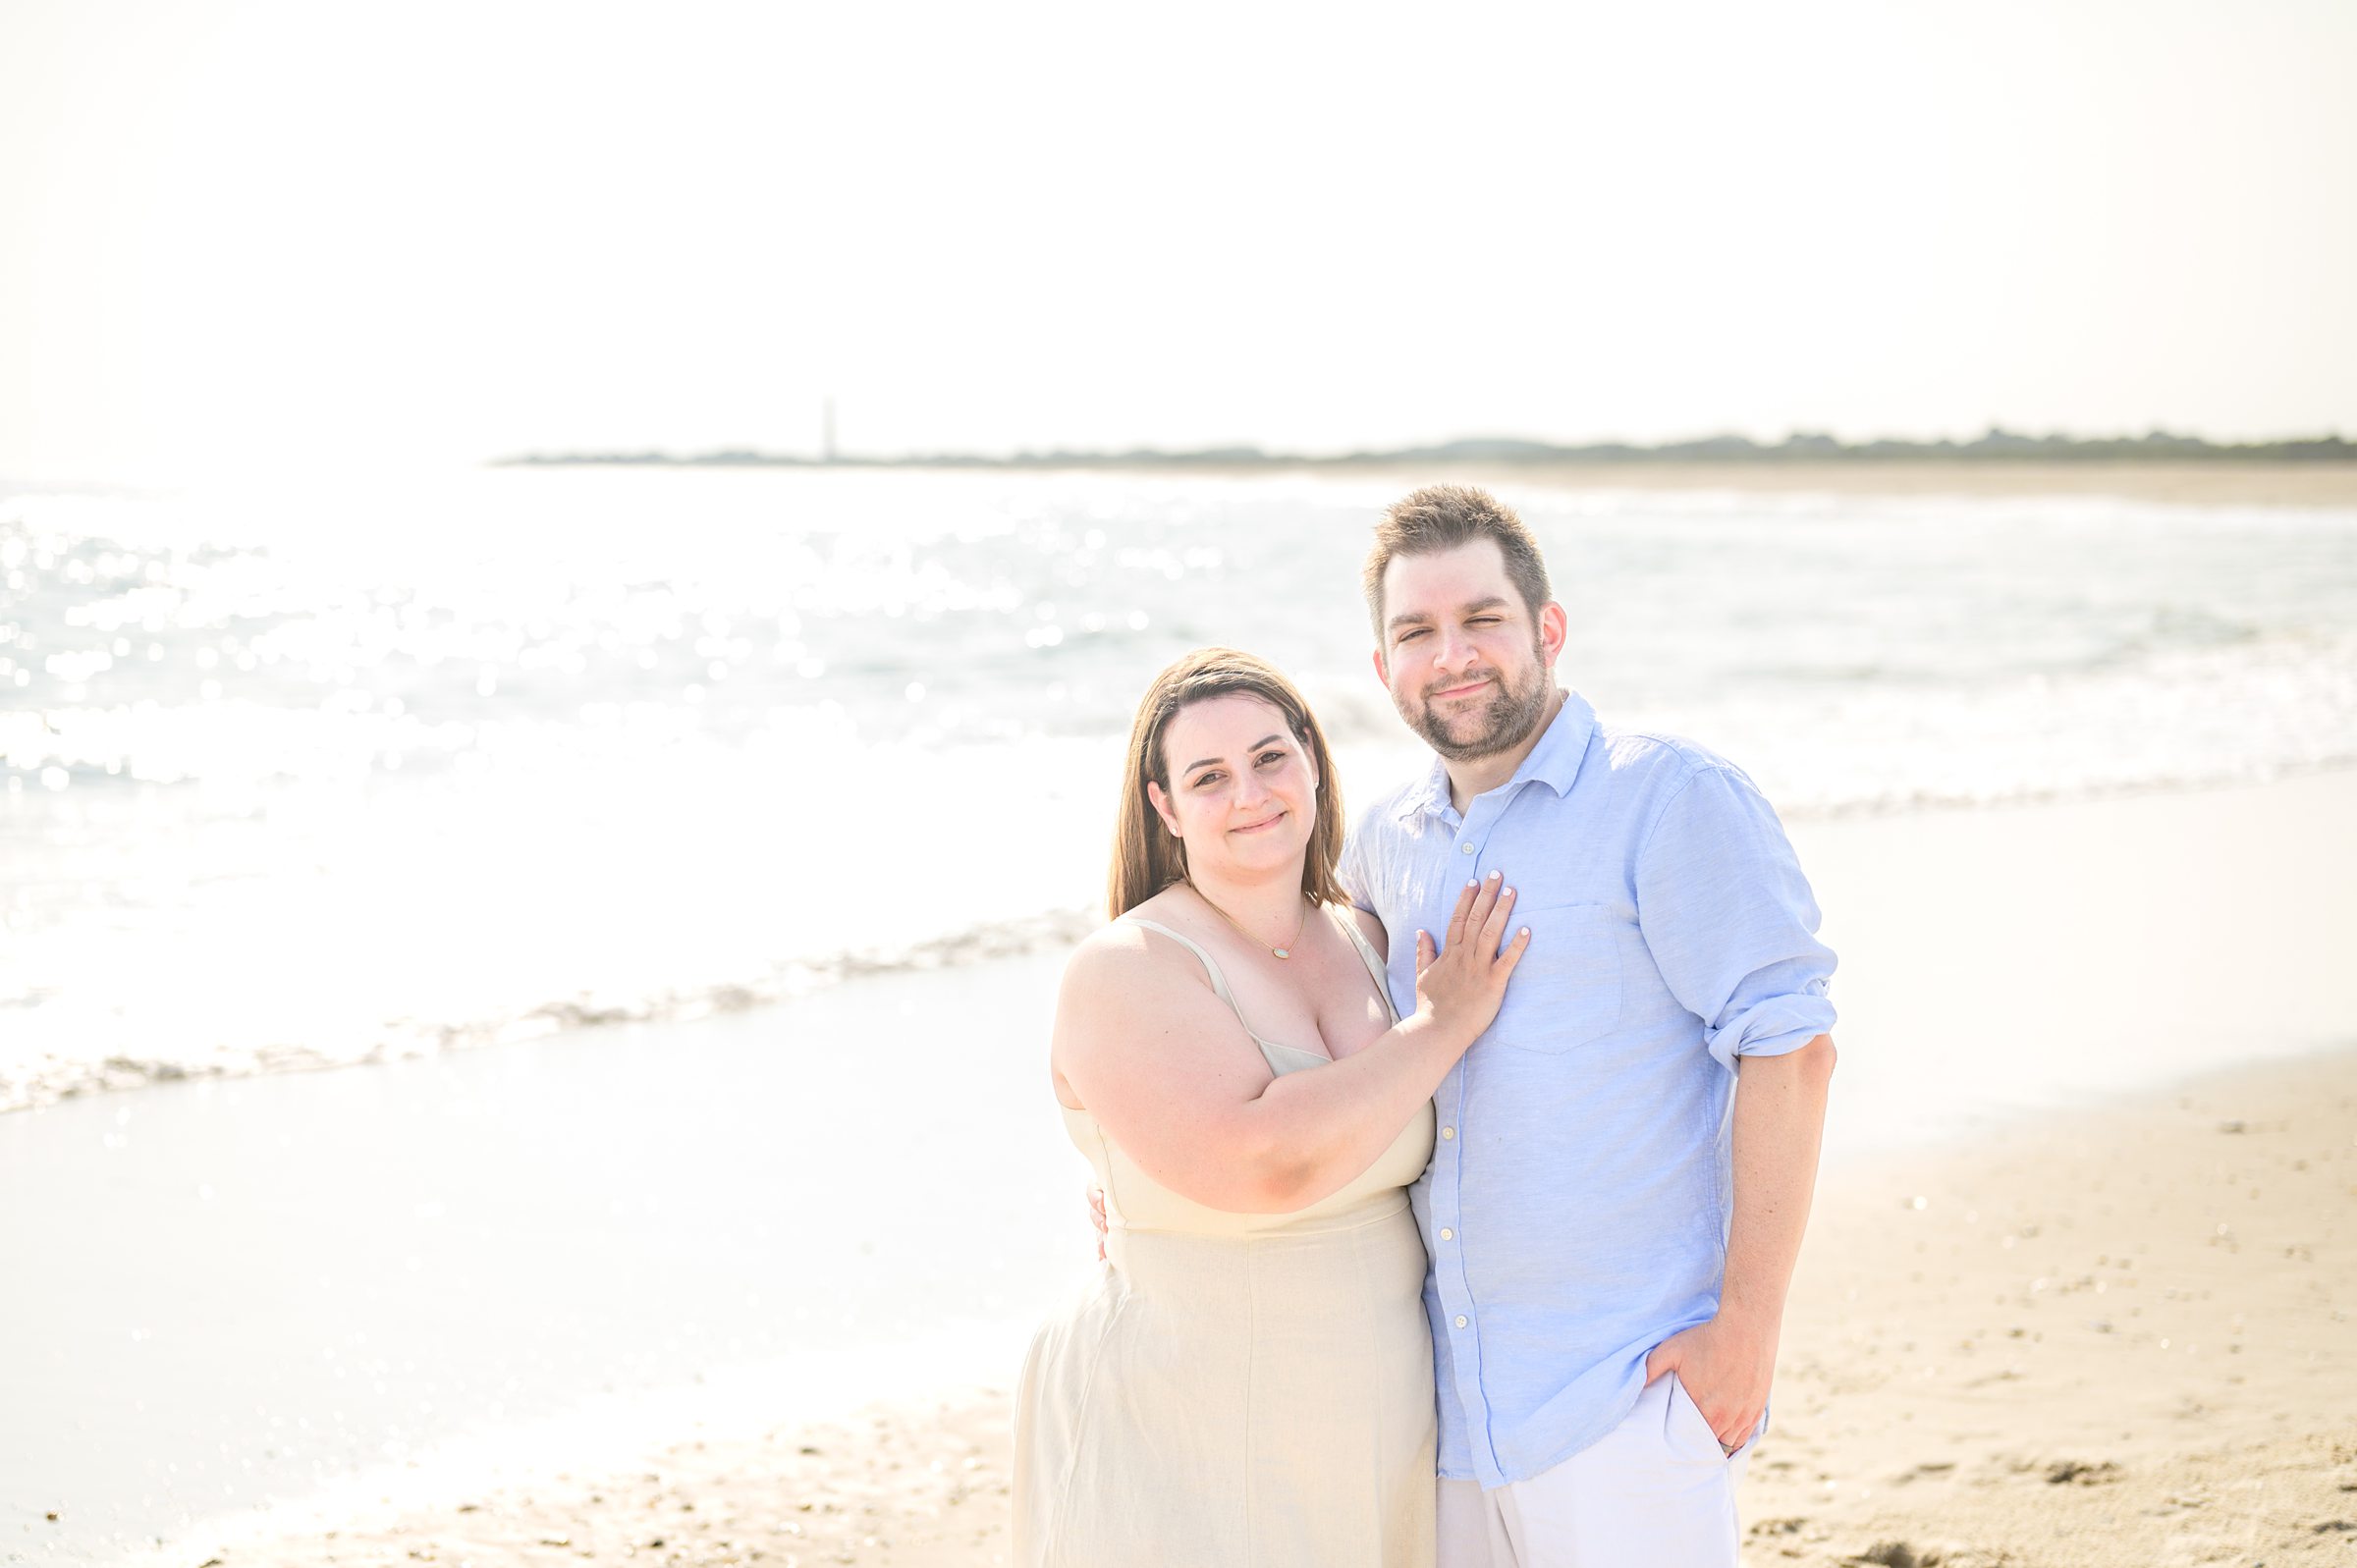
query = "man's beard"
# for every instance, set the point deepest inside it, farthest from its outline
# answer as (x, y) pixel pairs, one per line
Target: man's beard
(1505, 721)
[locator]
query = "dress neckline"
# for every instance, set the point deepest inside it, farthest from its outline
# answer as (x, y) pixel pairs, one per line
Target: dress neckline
(1219, 981)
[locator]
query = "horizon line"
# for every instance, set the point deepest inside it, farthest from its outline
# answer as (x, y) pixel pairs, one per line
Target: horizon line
(1996, 444)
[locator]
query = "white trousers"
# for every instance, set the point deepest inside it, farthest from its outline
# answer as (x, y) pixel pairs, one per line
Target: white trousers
(1656, 1491)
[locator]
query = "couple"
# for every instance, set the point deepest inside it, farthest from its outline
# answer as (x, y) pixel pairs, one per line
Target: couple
(1561, 999)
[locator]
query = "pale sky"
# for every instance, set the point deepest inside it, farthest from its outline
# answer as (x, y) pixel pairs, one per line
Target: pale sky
(456, 231)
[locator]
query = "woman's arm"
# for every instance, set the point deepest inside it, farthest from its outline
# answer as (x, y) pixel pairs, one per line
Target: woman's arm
(1168, 1071)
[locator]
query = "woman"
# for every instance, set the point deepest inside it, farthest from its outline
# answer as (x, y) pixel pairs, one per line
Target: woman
(1249, 1380)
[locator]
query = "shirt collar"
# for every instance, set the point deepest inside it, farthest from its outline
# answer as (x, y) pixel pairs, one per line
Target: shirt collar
(1554, 762)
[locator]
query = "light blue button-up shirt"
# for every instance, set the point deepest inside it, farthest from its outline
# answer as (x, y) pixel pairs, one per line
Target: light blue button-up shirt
(1577, 1207)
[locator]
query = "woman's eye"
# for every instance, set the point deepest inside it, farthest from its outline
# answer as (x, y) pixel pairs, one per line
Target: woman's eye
(1204, 780)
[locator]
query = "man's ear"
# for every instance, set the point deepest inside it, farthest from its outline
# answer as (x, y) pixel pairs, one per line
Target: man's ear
(1381, 674)
(1162, 807)
(1555, 629)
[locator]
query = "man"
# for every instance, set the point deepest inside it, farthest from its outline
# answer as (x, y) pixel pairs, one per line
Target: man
(1611, 1242)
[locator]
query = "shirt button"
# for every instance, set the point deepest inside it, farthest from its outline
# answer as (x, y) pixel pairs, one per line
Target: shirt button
(1447, 1234)
(1448, 1132)
(1460, 1323)
(1467, 848)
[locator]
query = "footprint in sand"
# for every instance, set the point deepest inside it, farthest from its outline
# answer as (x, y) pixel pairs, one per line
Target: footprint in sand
(1929, 1469)
(2075, 1472)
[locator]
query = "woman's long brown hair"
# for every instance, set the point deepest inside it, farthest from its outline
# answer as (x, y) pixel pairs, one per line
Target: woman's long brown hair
(1146, 857)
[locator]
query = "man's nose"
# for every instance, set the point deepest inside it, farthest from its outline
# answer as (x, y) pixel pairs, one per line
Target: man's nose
(1454, 651)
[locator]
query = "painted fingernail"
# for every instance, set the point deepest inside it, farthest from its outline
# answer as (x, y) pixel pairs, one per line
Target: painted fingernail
(1470, 883)
(1509, 894)
(1494, 876)
(1526, 930)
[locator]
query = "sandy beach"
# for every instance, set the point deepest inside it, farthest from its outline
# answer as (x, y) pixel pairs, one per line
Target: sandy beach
(2074, 1293)
(2113, 1337)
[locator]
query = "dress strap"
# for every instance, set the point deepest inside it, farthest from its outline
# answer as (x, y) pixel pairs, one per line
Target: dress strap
(1368, 957)
(1219, 981)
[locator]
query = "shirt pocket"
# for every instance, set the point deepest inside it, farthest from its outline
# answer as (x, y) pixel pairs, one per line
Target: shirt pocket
(1566, 990)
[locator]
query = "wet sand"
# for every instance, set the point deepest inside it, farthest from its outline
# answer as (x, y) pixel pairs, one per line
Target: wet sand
(2049, 1314)
(571, 1255)
(2111, 1336)
(913, 1485)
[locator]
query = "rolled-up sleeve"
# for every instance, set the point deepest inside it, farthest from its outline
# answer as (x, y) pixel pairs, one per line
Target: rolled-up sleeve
(1729, 919)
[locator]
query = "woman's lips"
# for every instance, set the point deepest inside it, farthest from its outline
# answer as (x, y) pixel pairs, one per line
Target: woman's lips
(1260, 827)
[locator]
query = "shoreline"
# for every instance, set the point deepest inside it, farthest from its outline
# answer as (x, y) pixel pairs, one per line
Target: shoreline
(2074, 1362)
(1051, 934)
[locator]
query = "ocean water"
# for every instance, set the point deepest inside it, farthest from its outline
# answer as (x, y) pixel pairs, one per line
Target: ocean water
(309, 774)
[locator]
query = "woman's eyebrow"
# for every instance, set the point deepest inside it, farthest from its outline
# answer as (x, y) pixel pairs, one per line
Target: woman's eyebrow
(1213, 761)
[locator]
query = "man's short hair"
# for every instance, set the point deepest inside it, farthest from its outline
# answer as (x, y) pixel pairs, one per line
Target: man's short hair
(1441, 517)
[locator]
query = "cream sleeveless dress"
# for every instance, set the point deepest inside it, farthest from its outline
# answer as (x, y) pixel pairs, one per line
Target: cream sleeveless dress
(1236, 1389)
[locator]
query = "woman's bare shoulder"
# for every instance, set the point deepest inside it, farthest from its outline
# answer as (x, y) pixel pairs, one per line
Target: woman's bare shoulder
(1126, 993)
(1122, 954)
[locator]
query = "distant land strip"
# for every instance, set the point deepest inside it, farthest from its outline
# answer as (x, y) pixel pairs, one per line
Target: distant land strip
(1998, 446)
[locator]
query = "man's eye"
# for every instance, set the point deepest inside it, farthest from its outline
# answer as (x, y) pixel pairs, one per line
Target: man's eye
(1409, 635)
(1485, 620)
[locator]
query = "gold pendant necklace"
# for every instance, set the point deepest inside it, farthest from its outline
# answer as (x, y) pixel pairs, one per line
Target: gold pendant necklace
(1286, 952)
